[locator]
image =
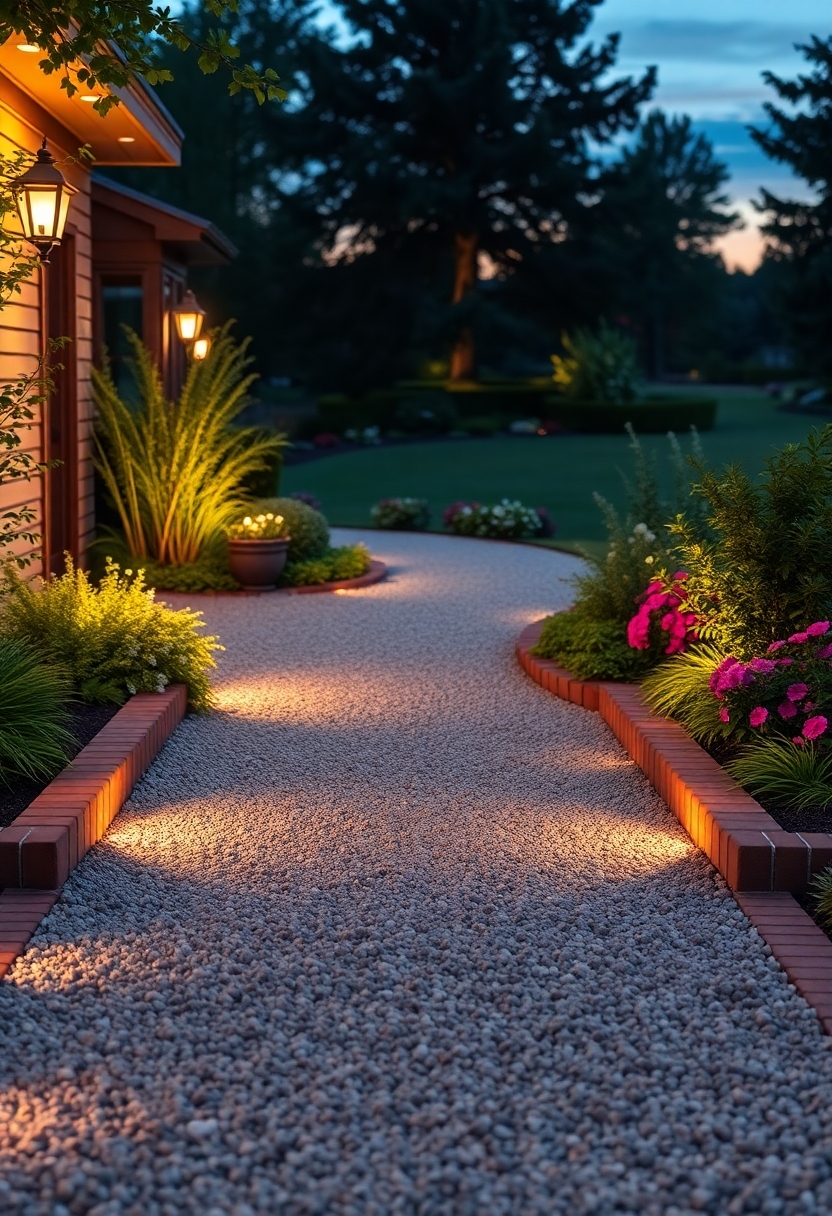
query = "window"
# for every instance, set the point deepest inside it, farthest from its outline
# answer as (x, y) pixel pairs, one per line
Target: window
(122, 304)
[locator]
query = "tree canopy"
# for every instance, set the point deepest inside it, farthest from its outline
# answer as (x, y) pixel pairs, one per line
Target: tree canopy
(105, 46)
(799, 232)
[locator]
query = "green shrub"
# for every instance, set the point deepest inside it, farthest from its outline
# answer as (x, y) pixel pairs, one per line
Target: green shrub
(113, 641)
(210, 572)
(307, 529)
(759, 565)
(176, 472)
(504, 520)
(350, 561)
(788, 776)
(401, 514)
(590, 649)
(680, 689)
(593, 636)
(34, 734)
(600, 367)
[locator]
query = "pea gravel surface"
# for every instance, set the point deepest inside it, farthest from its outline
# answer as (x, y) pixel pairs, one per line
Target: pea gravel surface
(395, 931)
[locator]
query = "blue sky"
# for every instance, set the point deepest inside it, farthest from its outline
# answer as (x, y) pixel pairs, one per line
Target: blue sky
(710, 56)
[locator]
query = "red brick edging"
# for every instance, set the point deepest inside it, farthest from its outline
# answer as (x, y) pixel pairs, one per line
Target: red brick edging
(761, 863)
(45, 843)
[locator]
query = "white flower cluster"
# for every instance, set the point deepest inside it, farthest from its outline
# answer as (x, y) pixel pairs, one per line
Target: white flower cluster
(505, 519)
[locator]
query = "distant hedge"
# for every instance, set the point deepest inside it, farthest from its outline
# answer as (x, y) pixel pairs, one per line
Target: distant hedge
(397, 408)
(657, 415)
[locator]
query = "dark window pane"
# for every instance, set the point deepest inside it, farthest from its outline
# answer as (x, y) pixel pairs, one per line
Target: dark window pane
(121, 304)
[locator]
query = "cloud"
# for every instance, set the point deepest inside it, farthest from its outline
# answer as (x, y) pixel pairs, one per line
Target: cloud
(759, 43)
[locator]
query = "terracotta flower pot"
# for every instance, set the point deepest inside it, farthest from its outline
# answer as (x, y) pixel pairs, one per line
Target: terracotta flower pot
(257, 564)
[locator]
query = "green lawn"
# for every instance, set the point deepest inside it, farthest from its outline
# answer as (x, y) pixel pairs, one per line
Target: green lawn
(559, 473)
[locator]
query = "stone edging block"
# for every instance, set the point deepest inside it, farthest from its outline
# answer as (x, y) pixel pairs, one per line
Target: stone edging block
(45, 843)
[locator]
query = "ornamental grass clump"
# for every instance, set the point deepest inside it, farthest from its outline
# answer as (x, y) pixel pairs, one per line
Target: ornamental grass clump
(112, 641)
(176, 471)
(401, 514)
(600, 367)
(34, 720)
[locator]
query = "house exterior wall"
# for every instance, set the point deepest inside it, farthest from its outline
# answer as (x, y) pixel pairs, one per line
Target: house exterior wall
(23, 332)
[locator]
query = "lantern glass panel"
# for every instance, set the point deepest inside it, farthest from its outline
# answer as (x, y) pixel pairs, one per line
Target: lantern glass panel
(41, 206)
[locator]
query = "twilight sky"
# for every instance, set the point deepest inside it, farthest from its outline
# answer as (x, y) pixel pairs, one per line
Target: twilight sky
(710, 54)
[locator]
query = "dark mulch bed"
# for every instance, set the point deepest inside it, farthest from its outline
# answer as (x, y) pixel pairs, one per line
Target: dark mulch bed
(810, 819)
(87, 721)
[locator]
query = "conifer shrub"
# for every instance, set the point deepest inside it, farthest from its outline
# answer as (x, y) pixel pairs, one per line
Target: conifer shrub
(758, 556)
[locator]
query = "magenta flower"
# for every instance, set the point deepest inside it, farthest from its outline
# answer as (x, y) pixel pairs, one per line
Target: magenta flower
(775, 646)
(824, 653)
(724, 716)
(758, 716)
(796, 692)
(764, 666)
(680, 576)
(787, 710)
(813, 728)
(798, 637)
(798, 741)
(818, 628)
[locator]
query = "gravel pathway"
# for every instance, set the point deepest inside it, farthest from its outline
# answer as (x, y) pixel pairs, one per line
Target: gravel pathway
(395, 931)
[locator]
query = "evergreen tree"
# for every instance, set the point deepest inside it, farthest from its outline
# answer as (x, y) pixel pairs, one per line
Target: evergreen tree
(800, 233)
(661, 210)
(445, 134)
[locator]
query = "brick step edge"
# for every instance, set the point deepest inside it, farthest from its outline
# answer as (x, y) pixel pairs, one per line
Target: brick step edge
(747, 846)
(376, 573)
(45, 843)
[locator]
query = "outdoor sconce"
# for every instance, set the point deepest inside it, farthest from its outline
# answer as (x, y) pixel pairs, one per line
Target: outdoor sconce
(42, 196)
(200, 349)
(188, 317)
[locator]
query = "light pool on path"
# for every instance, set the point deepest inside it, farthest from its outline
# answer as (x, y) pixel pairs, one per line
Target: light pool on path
(394, 931)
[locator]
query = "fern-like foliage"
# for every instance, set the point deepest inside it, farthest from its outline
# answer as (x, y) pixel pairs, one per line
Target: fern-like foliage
(680, 689)
(109, 641)
(786, 775)
(759, 566)
(176, 471)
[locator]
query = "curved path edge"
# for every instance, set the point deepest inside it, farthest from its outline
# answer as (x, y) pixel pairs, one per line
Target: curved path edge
(43, 846)
(762, 864)
(375, 574)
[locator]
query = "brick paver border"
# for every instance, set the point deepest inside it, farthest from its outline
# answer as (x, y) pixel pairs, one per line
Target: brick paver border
(375, 574)
(45, 843)
(762, 864)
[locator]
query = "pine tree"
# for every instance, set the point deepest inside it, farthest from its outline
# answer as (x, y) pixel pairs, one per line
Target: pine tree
(448, 133)
(661, 210)
(799, 232)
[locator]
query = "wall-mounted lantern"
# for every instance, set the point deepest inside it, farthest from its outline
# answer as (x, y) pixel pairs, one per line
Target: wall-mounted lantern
(42, 195)
(188, 317)
(200, 349)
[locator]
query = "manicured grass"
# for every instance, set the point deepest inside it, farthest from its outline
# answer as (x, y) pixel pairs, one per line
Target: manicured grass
(556, 472)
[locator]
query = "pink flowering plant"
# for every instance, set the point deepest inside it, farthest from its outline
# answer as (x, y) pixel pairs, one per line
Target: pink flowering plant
(785, 693)
(663, 620)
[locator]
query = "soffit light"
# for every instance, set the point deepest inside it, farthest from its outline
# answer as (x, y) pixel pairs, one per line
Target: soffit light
(28, 48)
(42, 195)
(188, 318)
(126, 139)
